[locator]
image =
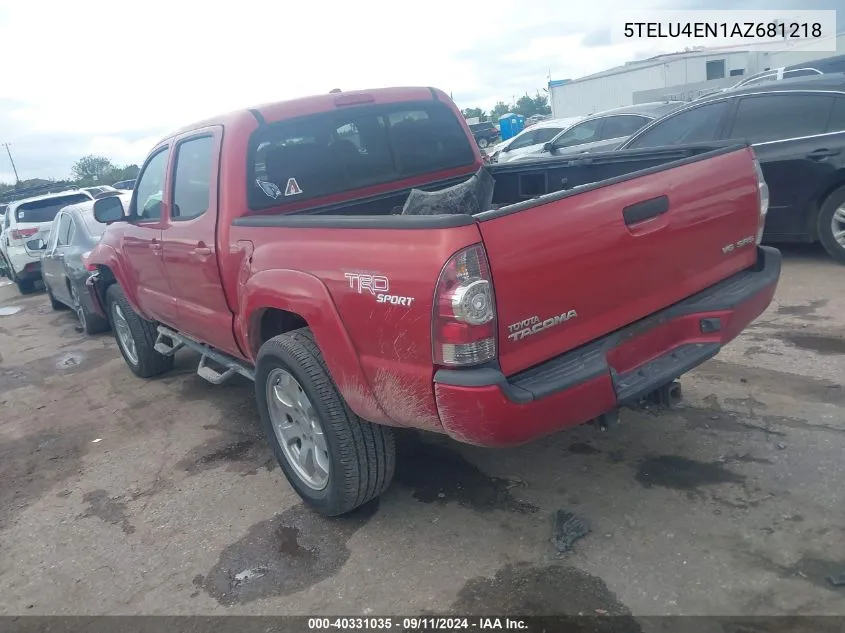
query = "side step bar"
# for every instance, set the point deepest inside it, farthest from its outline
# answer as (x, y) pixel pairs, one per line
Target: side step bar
(168, 342)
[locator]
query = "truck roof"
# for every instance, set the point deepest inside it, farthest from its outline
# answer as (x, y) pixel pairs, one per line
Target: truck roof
(280, 110)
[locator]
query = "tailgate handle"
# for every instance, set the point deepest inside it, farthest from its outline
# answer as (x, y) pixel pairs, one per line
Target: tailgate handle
(645, 210)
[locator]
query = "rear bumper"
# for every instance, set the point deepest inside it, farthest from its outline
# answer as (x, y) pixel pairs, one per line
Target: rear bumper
(482, 406)
(25, 264)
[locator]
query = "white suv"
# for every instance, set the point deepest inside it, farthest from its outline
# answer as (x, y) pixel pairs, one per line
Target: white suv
(26, 227)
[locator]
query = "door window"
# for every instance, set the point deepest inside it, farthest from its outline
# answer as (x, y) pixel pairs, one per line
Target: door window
(622, 126)
(771, 117)
(64, 231)
(192, 180)
(54, 233)
(585, 132)
(696, 125)
(150, 188)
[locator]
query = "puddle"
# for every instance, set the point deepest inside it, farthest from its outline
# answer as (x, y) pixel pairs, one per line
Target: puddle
(35, 372)
(824, 345)
(529, 590)
(284, 555)
(807, 310)
(9, 310)
(582, 448)
(439, 474)
(104, 507)
(680, 473)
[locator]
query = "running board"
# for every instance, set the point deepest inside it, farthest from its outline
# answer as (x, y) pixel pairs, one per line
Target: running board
(169, 341)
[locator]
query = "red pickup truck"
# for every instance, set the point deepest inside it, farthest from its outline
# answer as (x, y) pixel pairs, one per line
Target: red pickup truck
(352, 255)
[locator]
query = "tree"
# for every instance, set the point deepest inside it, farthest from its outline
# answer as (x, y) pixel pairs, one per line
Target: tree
(471, 113)
(90, 169)
(528, 106)
(498, 110)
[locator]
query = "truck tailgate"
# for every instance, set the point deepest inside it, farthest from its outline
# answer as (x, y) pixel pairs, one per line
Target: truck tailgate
(573, 266)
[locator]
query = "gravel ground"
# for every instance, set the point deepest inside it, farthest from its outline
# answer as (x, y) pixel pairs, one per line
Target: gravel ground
(120, 496)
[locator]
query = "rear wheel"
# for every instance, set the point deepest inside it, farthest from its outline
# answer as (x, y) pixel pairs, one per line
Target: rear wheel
(831, 225)
(483, 142)
(90, 323)
(135, 337)
(25, 286)
(334, 460)
(54, 303)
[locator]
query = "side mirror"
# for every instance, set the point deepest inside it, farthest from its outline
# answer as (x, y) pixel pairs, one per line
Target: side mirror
(36, 245)
(548, 147)
(109, 209)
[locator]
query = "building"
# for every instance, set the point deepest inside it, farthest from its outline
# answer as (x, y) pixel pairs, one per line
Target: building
(676, 76)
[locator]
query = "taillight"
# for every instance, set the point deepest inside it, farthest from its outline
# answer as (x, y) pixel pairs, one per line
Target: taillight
(464, 319)
(763, 197)
(19, 234)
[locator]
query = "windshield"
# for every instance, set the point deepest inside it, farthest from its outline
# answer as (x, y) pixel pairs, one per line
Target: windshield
(46, 210)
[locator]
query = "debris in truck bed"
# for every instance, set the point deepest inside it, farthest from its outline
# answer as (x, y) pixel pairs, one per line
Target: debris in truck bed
(469, 197)
(568, 528)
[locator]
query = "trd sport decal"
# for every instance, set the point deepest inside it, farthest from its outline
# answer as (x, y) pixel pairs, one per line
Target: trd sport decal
(378, 286)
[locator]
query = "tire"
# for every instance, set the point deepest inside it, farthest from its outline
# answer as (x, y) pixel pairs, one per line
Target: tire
(56, 305)
(833, 213)
(25, 286)
(483, 142)
(146, 362)
(361, 456)
(91, 323)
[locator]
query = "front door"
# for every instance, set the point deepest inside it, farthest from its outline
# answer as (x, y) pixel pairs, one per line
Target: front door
(190, 245)
(142, 241)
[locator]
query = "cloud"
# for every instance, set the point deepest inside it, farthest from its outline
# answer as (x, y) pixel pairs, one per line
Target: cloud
(96, 83)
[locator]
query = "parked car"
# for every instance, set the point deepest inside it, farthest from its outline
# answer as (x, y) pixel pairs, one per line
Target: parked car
(101, 191)
(352, 281)
(26, 223)
(530, 139)
(72, 236)
(815, 68)
(485, 133)
(125, 185)
(797, 129)
(599, 132)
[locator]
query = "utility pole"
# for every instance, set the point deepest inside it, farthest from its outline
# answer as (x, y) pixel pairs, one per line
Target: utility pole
(11, 160)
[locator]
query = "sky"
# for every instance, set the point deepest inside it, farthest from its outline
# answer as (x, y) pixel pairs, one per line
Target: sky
(92, 76)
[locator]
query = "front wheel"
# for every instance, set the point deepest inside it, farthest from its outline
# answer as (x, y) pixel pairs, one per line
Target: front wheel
(831, 225)
(482, 143)
(135, 337)
(334, 460)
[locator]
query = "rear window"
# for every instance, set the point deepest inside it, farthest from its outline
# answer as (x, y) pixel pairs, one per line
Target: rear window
(336, 152)
(96, 229)
(46, 210)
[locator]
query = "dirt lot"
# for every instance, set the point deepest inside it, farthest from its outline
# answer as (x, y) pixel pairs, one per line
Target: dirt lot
(120, 496)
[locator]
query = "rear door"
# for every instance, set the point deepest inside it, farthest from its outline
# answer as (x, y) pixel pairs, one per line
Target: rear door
(597, 258)
(189, 238)
(787, 131)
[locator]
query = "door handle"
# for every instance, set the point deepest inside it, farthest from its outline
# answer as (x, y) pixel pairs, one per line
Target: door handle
(645, 210)
(822, 153)
(201, 252)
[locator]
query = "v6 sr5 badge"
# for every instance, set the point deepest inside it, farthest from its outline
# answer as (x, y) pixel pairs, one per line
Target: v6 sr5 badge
(378, 286)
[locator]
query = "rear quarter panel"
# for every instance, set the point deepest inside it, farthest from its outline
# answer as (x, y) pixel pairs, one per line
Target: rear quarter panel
(377, 351)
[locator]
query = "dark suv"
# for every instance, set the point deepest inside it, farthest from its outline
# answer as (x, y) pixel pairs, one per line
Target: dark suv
(485, 133)
(797, 129)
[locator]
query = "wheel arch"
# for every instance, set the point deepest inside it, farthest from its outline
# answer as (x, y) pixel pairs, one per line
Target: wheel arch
(305, 301)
